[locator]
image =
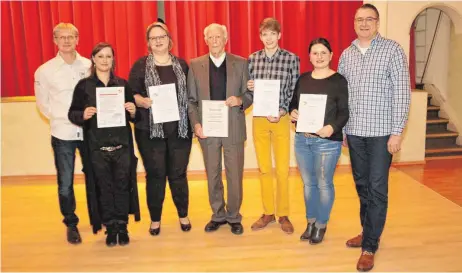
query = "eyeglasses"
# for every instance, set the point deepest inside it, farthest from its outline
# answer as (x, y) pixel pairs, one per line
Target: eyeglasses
(69, 38)
(368, 20)
(158, 38)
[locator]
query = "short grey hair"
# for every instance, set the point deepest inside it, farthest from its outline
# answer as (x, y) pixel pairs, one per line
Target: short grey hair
(214, 25)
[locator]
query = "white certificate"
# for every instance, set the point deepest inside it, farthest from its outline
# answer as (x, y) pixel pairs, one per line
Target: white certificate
(110, 110)
(214, 118)
(311, 111)
(164, 106)
(266, 98)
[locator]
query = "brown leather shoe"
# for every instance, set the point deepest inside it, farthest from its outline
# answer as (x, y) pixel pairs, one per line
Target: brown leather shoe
(263, 222)
(365, 262)
(286, 225)
(355, 241)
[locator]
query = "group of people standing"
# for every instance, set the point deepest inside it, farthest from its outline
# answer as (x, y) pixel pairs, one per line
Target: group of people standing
(366, 109)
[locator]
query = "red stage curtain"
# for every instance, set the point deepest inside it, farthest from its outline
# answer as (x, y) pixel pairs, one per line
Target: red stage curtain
(27, 38)
(301, 22)
(412, 55)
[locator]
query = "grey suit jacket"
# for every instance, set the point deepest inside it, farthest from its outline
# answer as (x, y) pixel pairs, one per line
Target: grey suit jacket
(236, 85)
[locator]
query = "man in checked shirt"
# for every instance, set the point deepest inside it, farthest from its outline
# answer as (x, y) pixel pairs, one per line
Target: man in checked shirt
(274, 63)
(379, 95)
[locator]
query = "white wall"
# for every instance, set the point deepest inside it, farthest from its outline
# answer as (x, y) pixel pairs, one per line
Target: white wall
(26, 148)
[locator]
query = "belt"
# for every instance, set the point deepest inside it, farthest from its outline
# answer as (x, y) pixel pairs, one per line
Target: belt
(310, 135)
(110, 148)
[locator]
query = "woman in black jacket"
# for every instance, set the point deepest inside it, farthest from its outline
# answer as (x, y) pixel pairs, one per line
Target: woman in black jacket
(110, 146)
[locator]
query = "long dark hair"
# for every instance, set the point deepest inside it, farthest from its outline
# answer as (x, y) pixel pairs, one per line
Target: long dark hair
(95, 51)
(322, 41)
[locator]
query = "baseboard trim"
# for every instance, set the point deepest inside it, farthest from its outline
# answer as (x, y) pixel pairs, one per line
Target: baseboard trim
(192, 175)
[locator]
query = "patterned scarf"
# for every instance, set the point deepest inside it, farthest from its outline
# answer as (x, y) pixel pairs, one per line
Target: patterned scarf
(152, 79)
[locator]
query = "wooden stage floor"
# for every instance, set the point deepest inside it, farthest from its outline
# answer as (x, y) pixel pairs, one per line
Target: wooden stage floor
(423, 232)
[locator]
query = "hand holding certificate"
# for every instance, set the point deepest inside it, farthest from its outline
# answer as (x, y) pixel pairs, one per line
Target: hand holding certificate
(311, 111)
(215, 118)
(266, 98)
(164, 106)
(110, 109)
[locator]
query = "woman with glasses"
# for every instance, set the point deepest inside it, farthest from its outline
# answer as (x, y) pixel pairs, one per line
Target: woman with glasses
(317, 154)
(164, 147)
(109, 147)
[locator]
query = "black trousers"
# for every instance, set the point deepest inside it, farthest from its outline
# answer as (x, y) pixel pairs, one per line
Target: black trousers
(163, 159)
(370, 162)
(112, 171)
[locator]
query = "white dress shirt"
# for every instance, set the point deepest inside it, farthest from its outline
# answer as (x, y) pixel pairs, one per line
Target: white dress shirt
(218, 61)
(54, 86)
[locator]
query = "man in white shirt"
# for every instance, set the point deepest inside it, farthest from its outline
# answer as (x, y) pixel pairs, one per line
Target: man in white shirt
(54, 87)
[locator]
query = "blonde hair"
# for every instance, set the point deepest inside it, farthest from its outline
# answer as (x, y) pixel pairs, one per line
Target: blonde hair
(162, 26)
(214, 25)
(67, 26)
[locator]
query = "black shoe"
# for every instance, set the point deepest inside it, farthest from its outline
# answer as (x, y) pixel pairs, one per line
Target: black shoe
(111, 231)
(73, 235)
(154, 231)
(185, 227)
(318, 235)
(237, 228)
(212, 225)
(306, 236)
(123, 235)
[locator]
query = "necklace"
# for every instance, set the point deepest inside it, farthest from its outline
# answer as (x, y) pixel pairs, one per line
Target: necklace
(168, 60)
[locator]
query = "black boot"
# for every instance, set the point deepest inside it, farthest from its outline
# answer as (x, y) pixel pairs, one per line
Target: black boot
(123, 235)
(306, 236)
(73, 235)
(111, 231)
(318, 235)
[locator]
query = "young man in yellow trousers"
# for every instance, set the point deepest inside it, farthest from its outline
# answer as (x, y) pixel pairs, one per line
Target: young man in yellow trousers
(274, 63)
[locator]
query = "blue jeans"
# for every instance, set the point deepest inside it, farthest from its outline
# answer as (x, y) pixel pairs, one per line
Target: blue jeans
(317, 159)
(64, 153)
(370, 163)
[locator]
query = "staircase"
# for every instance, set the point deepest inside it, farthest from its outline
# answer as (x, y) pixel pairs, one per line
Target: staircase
(439, 141)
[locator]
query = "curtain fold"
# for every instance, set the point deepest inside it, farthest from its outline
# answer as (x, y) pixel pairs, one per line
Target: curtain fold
(27, 35)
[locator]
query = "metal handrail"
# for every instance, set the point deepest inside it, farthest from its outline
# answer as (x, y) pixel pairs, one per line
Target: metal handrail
(431, 47)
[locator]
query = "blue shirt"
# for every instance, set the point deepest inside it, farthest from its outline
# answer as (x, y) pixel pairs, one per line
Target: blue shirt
(379, 88)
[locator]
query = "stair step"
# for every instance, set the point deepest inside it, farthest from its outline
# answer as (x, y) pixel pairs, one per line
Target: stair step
(442, 135)
(445, 151)
(454, 149)
(433, 112)
(437, 121)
